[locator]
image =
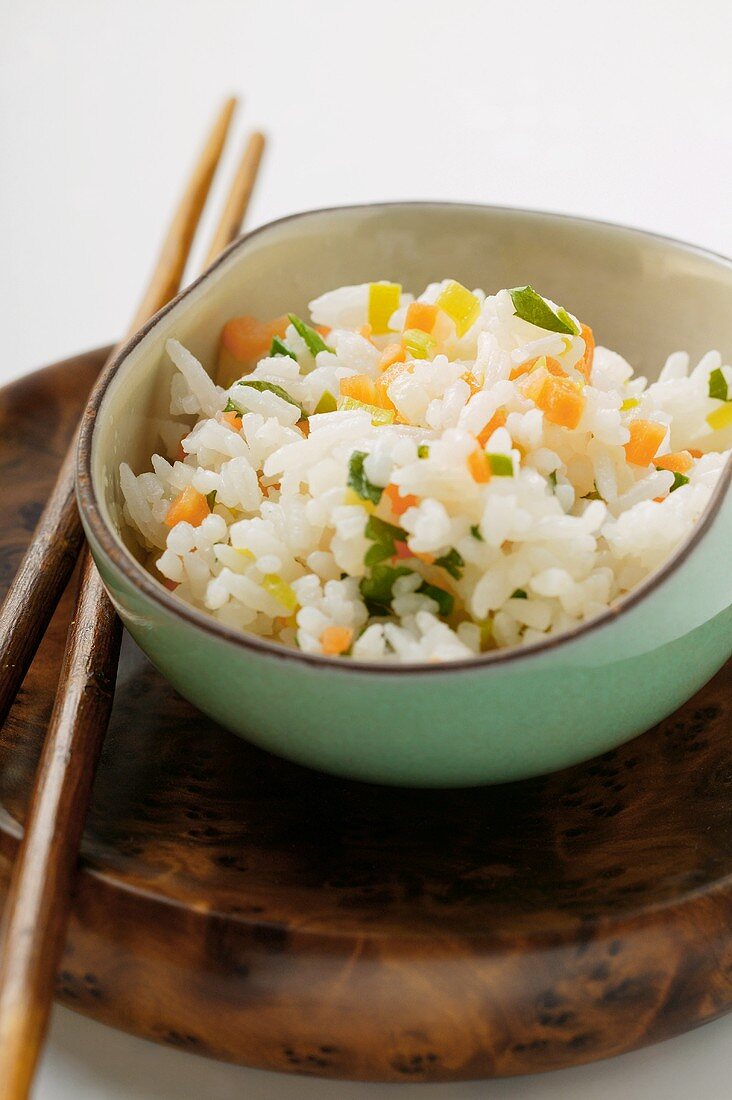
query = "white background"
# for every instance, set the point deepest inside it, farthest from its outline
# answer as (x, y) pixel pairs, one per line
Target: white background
(619, 110)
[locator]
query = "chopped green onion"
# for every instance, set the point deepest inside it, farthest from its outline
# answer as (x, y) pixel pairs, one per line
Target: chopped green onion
(313, 339)
(423, 451)
(327, 403)
(378, 415)
(718, 388)
(453, 563)
(383, 535)
(443, 599)
(280, 348)
(211, 499)
(486, 633)
(594, 495)
(384, 299)
(460, 305)
(679, 479)
(475, 532)
(418, 344)
(358, 481)
(501, 465)
(280, 590)
(531, 307)
(519, 594)
(553, 479)
(629, 403)
(376, 589)
(262, 386)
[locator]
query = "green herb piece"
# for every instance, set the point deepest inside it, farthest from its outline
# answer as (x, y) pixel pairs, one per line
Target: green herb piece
(384, 536)
(279, 347)
(376, 589)
(519, 594)
(327, 403)
(501, 465)
(377, 414)
(230, 407)
(530, 306)
(423, 451)
(718, 387)
(629, 403)
(313, 339)
(358, 481)
(443, 599)
(679, 479)
(475, 532)
(261, 386)
(418, 344)
(594, 495)
(564, 316)
(553, 479)
(211, 499)
(453, 563)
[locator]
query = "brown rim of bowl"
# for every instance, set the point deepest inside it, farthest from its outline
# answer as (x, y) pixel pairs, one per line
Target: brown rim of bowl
(140, 578)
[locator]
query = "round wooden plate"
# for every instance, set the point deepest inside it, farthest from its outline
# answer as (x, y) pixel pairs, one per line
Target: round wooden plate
(242, 907)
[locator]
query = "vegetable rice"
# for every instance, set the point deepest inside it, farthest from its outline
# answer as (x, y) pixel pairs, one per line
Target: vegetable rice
(423, 480)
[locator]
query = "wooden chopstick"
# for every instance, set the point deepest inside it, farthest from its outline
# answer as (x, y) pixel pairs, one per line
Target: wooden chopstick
(237, 202)
(40, 891)
(54, 549)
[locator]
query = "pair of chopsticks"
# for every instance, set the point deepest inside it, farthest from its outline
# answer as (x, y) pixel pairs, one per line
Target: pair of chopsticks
(39, 898)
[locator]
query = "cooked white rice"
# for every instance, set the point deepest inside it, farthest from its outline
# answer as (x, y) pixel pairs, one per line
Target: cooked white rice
(557, 527)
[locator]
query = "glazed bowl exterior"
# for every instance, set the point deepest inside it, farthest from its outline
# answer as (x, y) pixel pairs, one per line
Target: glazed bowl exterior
(502, 716)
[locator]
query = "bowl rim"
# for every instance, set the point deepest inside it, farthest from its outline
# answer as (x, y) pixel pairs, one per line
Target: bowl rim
(113, 547)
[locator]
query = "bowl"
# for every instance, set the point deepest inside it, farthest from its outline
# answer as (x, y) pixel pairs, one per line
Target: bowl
(504, 715)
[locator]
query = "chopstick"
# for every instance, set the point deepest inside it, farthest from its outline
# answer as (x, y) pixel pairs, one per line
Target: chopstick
(48, 562)
(40, 891)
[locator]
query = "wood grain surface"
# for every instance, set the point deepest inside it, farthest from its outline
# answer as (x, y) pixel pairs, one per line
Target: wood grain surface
(239, 906)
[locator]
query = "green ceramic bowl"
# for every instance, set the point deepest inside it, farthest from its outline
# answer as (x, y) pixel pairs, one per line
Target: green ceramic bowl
(501, 716)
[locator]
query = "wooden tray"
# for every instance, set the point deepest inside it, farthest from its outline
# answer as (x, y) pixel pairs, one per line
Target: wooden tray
(238, 906)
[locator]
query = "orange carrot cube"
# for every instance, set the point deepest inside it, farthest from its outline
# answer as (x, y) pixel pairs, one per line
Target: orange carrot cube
(678, 463)
(360, 387)
(189, 506)
(479, 466)
(646, 436)
(498, 420)
(399, 503)
(421, 315)
(336, 640)
(233, 420)
(560, 399)
(585, 363)
(392, 353)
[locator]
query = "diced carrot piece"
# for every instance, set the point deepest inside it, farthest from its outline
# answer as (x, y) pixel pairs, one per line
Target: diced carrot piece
(304, 426)
(546, 361)
(248, 339)
(366, 331)
(402, 550)
(392, 353)
(233, 420)
(584, 366)
(428, 559)
(498, 420)
(560, 399)
(360, 387)
(399, 503)
(479, 466)
(385, 380)
(421, 315)
(694, 453)
(170, 585)
(677, 463)
(336, 640)
(646, 436)
(324, 330)
(180, 453)
(190, 506)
